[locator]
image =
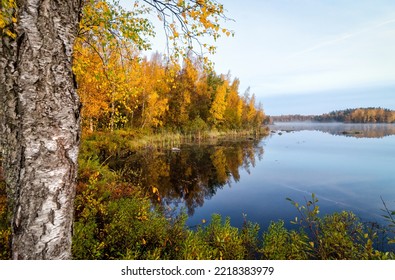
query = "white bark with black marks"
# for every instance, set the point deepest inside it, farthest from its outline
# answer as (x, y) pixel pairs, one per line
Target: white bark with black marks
(40, 127)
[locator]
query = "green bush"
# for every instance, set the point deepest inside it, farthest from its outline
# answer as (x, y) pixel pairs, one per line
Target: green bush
(281, 244)
(339, 236)
(224, 241)
(390, 218)
(125, 228)
(342, 236)
(198, 126)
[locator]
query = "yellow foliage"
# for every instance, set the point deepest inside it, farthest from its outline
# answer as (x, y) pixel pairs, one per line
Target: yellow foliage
(7, 18)
(218, 106)
(120, 90)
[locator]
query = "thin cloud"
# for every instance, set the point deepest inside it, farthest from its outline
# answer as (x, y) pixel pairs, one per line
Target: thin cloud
(384, 23)
(342, 38)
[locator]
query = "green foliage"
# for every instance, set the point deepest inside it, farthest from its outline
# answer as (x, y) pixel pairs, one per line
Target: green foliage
(112, 226)
(390, 218)
(132, 231)
(195, 248)
(341, 237)
(336, 236)
(281, 244)
(250, 239)
(91, 166)
(224, 241)
(197, 127)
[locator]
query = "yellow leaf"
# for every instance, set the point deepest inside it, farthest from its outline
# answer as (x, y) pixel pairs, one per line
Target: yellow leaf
(11, 34)
(155, 190)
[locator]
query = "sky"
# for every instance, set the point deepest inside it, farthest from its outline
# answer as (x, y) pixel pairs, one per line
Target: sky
(311, 56)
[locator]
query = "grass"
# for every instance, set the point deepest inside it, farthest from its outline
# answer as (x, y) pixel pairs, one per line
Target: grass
(120, 142)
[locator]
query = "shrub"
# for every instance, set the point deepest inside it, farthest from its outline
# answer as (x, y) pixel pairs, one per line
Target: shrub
(125, 228)
(281, 244)
(337, 236)
(225, 242)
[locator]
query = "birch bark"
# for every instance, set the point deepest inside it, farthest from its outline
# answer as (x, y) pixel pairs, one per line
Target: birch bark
(40, 126)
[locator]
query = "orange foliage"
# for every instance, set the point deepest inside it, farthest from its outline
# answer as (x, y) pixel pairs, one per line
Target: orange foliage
(120, 90)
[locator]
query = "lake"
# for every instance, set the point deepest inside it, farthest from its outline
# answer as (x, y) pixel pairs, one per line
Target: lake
(347, 167)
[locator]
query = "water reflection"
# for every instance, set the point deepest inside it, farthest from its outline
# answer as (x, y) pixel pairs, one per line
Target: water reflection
(345, 173)
(188, 176)
(345, 129)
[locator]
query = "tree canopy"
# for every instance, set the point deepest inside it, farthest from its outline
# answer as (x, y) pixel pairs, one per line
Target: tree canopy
(120, 89)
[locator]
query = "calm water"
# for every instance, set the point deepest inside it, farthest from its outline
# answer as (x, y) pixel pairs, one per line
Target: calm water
(348, 167)
(345, 173)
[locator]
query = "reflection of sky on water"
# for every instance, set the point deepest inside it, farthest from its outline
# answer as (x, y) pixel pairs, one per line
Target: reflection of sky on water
(345, 173)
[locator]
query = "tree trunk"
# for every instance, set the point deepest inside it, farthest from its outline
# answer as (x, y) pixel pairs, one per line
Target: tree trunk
(40, 127)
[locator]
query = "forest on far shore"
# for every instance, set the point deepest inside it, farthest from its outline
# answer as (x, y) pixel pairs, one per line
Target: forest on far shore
(358, 115)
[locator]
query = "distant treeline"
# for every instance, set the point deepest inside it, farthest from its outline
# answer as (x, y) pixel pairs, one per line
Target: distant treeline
(359, 115)
(291, 118)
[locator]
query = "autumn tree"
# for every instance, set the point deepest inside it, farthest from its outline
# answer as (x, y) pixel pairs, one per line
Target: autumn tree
(40, 109)
(180, 99)
(153, 92)
(218, 105)
(109, 37)
(92, 87)
(234, 107)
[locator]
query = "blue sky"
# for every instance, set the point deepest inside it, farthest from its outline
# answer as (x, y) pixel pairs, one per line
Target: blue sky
(311, 56)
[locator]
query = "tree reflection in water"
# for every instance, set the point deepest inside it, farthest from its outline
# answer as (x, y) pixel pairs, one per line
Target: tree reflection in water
(189, 176)
(357, 130)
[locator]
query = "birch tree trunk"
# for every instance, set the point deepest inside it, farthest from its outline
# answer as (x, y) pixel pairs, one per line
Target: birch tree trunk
(40, 127)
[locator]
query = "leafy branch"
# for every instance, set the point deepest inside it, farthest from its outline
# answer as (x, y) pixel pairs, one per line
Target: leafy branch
(389, 217)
